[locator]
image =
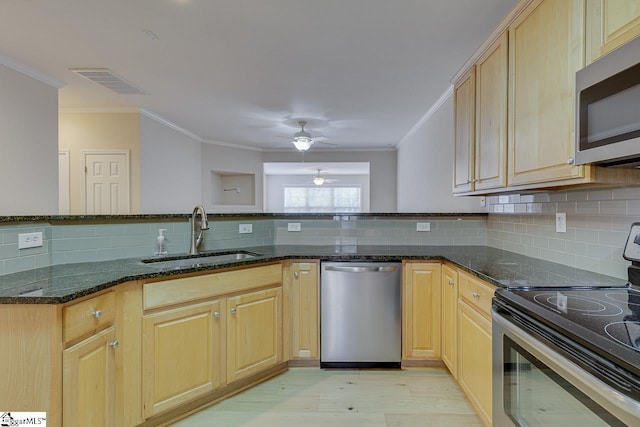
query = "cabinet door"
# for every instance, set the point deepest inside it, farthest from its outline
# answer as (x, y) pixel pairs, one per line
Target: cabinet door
(610, 24)
(305, 330)
(421, 311)
(474, 363)
(546, 48)
(450, 319)
(491, 117)
(88, 389)
(254, 333)
(181, 355)
(464, 100)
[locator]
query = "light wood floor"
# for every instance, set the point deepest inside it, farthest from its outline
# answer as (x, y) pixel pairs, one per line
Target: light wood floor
(311, 397)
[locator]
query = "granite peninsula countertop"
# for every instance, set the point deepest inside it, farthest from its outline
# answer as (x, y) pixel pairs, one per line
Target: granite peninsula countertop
(62, 283)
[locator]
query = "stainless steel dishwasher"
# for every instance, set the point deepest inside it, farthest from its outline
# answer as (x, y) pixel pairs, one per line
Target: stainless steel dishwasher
(360, 323)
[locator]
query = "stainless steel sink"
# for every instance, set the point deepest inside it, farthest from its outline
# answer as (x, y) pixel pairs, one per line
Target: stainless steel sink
(202, 259)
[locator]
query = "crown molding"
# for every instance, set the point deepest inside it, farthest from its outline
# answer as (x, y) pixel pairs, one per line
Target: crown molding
(232, 145)
(29, 71)
(153, 116)
(430, 112)
(99, 110)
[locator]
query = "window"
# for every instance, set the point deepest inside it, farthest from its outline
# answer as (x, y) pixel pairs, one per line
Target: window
(322, 199)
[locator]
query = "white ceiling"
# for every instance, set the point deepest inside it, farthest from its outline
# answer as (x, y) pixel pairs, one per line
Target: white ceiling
(361, 72)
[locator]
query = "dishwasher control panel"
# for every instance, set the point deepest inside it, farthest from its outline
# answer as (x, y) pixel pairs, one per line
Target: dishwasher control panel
(632, 248)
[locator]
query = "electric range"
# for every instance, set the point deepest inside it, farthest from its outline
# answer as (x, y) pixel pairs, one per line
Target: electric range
(584, 342)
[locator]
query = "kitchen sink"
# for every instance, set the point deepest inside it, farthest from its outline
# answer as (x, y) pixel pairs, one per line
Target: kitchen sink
(196, 261)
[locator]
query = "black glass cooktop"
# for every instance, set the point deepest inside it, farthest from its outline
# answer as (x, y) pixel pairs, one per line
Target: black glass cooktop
(605, 320)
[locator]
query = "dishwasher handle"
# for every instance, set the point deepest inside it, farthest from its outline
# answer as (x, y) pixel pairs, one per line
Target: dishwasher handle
(351, 269)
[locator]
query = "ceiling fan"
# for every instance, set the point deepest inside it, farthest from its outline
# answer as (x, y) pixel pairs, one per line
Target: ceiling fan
(303, 140)
(319, 179)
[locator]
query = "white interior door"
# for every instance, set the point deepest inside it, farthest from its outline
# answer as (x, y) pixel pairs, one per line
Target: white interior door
(106, 182)
(63, 182)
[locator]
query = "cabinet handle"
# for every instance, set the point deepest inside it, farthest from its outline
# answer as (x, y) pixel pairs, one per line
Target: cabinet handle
(233, 310)
(97, 314)
(296, 274)
(216, 314)
(475, 295)
(114, 344)
(451, 283)
(571, 161)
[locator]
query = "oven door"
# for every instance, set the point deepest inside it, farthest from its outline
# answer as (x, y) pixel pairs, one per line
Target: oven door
(534, 385)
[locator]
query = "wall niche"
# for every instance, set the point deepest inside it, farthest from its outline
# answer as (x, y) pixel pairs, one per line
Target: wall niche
(233, 189)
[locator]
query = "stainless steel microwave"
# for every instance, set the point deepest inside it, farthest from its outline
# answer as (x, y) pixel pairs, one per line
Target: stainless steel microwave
(607, 129)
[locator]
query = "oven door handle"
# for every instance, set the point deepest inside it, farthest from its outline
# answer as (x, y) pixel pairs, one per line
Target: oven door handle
(624, 407)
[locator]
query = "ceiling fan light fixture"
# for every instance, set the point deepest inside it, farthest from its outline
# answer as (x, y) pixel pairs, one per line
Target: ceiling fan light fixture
(318, 180)
(302, 143)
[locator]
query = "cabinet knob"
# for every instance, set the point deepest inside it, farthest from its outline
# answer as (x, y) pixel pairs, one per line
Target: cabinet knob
(114, 344)
(451, 283)
(97, 314)
(216, 314)
(571, 161)
(233, 310)
(474, 180)
(296, 274)
(475, 295)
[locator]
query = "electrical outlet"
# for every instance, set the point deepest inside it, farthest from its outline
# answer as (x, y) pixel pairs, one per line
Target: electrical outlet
(30, 240)
(245, 228)
(561, 222)
(483, 202)
(294, 226)
(423, 226)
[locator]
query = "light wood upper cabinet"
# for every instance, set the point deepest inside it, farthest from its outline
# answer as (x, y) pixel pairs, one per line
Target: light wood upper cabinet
(254, 332)
(305, 301)
(421, 297)
(181, 355)
(464, 105)
(546, 48)
(450, 319)
(490, 169)
(610, 24)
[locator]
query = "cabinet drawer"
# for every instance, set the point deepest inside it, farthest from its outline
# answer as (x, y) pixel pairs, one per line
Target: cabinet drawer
(87, 316)
(476, 292)
(171, 292)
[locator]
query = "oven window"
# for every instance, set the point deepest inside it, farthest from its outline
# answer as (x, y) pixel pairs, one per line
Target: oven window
(534, 395)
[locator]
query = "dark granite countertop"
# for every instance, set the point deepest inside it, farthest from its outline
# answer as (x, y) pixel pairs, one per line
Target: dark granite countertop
(62, 283)
(59, 219)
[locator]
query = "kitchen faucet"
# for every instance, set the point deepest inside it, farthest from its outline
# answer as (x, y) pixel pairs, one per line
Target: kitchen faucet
(204, 225)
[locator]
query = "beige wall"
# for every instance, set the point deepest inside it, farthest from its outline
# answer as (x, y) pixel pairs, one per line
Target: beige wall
(100, 131)
(28, 145)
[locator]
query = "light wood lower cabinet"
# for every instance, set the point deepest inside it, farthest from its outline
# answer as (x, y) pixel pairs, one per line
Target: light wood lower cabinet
(254, 332)
(421, 311)
(305, 309)
(474, 343)
(89, 381)
(450, 319)
(181, 355)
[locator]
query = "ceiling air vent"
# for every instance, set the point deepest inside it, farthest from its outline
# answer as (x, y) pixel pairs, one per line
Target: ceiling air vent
(107, 78)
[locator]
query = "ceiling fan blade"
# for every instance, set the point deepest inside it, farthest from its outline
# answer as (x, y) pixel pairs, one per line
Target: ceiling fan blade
(327, 143)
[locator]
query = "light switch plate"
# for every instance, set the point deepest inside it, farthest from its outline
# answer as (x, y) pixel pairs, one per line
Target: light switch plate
(294, 226)
(245, 228)
(30, 240)
(423, 226)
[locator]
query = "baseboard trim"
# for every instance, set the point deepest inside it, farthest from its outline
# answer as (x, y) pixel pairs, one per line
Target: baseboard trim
(304, 363)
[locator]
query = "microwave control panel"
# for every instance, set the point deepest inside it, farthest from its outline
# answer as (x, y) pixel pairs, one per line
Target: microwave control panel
(632, 248)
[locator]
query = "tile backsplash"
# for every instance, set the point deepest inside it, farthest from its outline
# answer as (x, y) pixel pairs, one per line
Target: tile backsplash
(598, 222)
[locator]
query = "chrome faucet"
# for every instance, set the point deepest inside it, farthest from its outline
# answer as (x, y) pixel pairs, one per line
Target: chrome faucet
(196, 238)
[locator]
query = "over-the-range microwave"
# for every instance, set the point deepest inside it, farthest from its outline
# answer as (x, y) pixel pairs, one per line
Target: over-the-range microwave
(607, 129)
